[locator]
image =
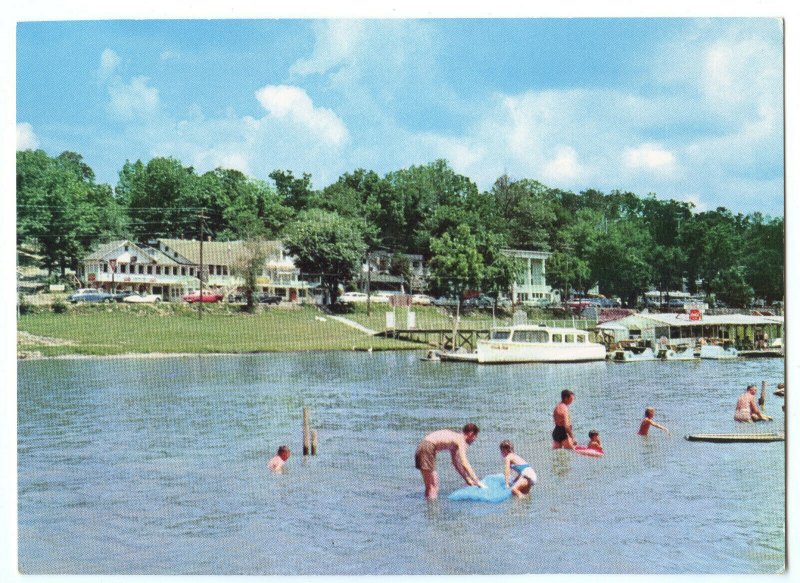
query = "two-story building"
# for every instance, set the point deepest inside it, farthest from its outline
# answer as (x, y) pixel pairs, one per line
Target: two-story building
(171, 268)
(530, 286)
(378, 267)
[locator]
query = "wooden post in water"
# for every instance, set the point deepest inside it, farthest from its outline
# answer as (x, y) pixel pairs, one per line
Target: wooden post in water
(306, 446)
(314, 442)
(762, 400)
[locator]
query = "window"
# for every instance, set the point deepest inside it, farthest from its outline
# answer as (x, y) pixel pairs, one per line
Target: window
(580, 338)
(105, 267)
(530, 336)
(569, 338)
(158, 270)
(558, 338)
(140, 269)
(123, 268)
(191, 271)
(500, 335)
(183, 271)
(149, 269)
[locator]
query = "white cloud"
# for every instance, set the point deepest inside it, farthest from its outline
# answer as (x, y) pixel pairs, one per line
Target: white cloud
(564, 166)
(337, 42)
(109, 61)
(133, 99)
(649, 157)
(293, 103)
(168, 55)
(26, 139)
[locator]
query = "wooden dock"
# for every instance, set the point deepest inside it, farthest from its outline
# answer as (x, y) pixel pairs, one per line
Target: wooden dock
(441, 338)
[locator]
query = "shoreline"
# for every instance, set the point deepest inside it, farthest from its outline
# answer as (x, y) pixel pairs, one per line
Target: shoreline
(28, 356)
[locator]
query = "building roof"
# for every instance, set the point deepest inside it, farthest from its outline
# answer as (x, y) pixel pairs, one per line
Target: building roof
(681, 320)
(214, 252)
(524, 253)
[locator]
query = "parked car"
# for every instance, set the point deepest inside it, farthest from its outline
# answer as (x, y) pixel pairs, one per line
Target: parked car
(352, 298)
(90, 295)
(445, 301)
(209, 297)
(120, 295)
(265, 298)
(421, 300)
(504, 303)
(481, 301)
(142, 298)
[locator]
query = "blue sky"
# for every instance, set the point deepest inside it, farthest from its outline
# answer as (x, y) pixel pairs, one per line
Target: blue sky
(690, 109)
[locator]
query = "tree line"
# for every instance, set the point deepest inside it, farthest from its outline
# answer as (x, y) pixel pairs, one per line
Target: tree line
(624, 243)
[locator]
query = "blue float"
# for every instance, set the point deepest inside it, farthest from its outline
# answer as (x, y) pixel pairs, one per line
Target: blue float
(495, 491)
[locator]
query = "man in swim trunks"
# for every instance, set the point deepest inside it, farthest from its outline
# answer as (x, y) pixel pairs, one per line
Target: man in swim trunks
(562, 434)
(456, 443)
(746, 409)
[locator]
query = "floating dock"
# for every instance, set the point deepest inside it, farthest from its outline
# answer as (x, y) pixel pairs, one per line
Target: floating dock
(736, 437)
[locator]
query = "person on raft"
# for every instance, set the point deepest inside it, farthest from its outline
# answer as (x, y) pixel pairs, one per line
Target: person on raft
(456, 443)
(562, 434)
(648, 422)
(594, 441)
(747, 410)
(526, 477)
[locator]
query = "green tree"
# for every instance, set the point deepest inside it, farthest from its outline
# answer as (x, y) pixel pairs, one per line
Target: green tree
(730, 286)
(294, 192)
(249, 265)
(327, 246)
(456, 263)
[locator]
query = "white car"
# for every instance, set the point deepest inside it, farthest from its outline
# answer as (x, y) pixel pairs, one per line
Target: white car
(421, 300)
(142, 299)
(352, 298)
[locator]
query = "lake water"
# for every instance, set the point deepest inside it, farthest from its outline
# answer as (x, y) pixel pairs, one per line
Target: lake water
(158, 466)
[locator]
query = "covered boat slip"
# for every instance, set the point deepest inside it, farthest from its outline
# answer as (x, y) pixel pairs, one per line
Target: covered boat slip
(745, 332)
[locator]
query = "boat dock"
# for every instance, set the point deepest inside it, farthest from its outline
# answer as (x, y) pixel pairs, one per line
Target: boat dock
(442, 338)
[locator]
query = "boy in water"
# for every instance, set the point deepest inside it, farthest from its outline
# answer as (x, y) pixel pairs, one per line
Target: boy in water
(526, 477)
(594, 441)
(647, 422)
(276, 463)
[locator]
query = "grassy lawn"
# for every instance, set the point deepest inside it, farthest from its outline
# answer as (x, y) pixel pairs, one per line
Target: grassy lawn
(172, 328)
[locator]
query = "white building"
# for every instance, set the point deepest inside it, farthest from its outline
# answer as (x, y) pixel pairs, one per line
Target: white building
(531, 286)
(170, 268)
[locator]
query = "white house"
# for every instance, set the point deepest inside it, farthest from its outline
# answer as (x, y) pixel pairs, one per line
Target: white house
(170, 268)
(530, 286)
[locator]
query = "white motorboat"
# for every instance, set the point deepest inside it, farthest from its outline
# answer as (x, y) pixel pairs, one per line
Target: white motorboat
(432, 356)
(532, 343)
(716, 352)
(687, 353)
(631, 356)
(459, 355)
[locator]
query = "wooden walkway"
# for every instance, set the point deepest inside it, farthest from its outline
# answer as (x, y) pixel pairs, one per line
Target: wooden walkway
(440, 337)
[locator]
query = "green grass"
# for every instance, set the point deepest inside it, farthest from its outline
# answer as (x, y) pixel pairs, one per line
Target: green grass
(171, 328)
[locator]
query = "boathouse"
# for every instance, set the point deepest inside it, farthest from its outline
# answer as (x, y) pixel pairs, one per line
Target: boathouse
(740, 330)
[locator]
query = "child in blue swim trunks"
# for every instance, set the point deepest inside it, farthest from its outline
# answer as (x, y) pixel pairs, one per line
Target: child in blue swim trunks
(526, 477)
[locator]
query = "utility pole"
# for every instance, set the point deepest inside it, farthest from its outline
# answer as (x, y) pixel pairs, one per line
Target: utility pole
(200, 274)
(369, 269)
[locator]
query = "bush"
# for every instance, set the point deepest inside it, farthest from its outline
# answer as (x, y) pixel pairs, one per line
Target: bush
(59, 307)
(25, 307)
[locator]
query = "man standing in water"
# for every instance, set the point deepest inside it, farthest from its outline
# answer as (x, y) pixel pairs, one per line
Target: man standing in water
(746, 409)
(562, 434)
(456, 443)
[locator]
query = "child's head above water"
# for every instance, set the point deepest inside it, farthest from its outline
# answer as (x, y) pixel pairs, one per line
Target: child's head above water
(594, 434)
(506, 447)
(649, 412)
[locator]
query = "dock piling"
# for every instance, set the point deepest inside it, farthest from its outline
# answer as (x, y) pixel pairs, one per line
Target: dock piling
(313, 442)
(762, 400)
(306, 445)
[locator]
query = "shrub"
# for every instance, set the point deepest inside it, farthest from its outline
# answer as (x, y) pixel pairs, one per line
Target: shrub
(59, 307)
(25, 307)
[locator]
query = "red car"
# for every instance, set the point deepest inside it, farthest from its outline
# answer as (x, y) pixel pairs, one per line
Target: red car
(209, 297)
